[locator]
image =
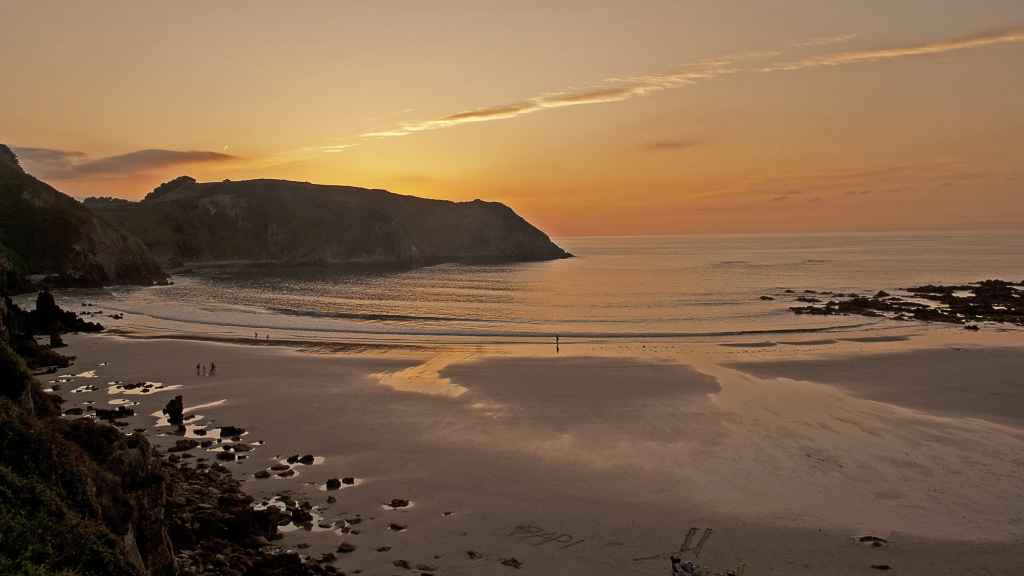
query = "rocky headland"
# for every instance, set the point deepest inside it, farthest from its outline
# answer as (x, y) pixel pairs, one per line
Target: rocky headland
(279, 221)
(50, 239)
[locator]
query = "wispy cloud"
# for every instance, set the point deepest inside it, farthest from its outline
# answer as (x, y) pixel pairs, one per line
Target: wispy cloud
(622, 89)
(333, 148)
(609, 90)
(1007, 36)
(673, 144)
(825, 41)
(70, 164)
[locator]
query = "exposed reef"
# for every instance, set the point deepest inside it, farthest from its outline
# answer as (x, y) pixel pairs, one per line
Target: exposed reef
(986, 301)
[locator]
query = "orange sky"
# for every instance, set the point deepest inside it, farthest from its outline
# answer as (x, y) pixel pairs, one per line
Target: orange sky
(670, 117)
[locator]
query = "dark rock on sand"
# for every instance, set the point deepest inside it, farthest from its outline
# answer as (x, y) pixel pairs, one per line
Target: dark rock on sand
(231, 431)
(398, 503)
(346, 548)
(511, 563)
(183, 445)
(333, 484)
(175, 411)
(115, 413)
(348, 480)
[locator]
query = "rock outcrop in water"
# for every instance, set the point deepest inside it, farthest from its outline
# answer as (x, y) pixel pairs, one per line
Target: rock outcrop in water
(46, 233)
(985, 301)
(297, 222)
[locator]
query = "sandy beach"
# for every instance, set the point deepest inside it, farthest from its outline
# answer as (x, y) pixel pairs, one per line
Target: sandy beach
(602, 458)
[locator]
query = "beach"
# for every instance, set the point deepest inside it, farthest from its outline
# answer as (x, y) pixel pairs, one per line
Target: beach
(601, 457)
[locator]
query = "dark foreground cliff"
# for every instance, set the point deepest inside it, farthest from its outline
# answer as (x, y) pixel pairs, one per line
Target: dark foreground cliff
(52, 236)
(298, 222)
(78, 497)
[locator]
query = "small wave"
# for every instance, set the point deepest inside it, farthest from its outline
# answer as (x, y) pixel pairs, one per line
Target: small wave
(377, 316)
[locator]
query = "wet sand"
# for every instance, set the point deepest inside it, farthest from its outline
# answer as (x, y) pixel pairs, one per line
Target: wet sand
(601, 459)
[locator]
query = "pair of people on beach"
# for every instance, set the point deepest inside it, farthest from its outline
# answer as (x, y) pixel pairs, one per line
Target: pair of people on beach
(201, 370)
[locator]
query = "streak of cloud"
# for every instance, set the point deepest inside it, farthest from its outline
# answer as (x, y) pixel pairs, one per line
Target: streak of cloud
(69, 164)
(621, 89)
(1008, 36)
(825, 41)
(610, 90)
(673, 144)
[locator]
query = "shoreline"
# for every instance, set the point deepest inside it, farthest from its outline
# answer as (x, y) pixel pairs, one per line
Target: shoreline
(370, 451)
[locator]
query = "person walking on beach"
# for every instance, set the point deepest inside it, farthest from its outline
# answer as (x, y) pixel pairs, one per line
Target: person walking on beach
(213, 369)
(556, 344)
(204, 369)
(197, 369)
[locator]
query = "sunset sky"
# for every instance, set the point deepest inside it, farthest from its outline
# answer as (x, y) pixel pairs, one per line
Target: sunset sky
(587, 118)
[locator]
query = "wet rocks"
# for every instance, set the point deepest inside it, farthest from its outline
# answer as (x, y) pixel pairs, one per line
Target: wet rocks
(183, 445)
(346, 548)
(231, 431)
(398, 503)
(511, 563)
(333, 484)
(873, 541)
(305, 459)
(988, 300)
(114, 414)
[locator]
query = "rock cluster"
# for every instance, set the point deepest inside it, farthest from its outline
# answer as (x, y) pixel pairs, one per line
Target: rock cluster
(985, 301)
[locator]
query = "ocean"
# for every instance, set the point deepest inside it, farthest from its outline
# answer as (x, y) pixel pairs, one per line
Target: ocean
(645, 287)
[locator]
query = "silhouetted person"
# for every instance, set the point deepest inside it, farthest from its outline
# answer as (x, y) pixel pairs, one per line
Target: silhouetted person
(204, 370)
(213, 369)
(197, 369)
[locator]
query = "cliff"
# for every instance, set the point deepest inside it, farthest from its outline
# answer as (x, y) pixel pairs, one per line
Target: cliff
(46, 233)
(76, 497)
(297, 222)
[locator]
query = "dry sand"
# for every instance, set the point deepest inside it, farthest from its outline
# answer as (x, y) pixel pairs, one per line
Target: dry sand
(601, 459)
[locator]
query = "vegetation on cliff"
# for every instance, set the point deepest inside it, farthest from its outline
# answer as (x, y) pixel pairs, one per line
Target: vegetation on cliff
(46, 233)
(298, 222)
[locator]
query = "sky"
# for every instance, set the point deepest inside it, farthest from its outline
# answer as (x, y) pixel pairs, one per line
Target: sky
(586, 117)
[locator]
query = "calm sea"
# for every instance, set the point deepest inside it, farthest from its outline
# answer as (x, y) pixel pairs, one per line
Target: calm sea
(616, 287)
